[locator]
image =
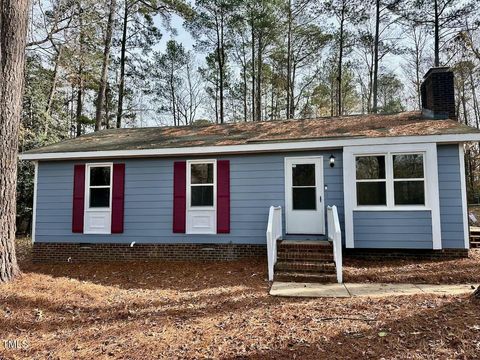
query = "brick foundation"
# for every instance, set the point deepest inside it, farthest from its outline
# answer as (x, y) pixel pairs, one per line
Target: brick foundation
(387, 254)
(74, 252)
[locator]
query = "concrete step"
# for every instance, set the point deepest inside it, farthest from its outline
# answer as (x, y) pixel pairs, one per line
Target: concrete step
(320, 267)
(305, 277)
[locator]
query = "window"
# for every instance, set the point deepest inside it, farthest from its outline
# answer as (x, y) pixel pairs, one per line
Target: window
(202, 184)
(304, 187)
(99, 186)
(371, 180)
(98, 198)
(409, 181)
(201, 212)
(392, 179)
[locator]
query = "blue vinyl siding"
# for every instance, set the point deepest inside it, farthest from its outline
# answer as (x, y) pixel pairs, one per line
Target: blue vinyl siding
(393, 229)
(257, 182)
(451, 212)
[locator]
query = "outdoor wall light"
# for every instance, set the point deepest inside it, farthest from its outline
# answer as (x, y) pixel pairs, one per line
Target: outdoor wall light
(332, 160)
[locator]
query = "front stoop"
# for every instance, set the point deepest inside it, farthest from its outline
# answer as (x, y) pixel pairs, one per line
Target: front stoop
(308, 261)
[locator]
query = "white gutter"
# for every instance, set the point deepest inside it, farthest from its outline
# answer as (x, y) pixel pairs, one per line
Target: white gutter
(254, 148)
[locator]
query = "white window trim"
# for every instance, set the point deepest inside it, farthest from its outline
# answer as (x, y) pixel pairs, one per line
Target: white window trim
(432, 200)
(87, 208)
(389, 181)
(189, 207)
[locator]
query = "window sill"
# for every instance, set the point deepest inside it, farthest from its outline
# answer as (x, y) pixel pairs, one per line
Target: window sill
(201, 233)
(96, 233)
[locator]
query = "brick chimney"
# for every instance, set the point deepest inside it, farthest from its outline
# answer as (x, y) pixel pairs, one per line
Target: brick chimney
(438, 94)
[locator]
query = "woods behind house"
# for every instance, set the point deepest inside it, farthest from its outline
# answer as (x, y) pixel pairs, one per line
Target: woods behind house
(99, 64)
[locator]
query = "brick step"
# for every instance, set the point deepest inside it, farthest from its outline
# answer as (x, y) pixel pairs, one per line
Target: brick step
(292, 245)
(304, 256)
(306, 266)
(288, 276)
(304, 251)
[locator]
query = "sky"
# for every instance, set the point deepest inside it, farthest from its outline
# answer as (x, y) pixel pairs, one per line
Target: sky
(180, 34)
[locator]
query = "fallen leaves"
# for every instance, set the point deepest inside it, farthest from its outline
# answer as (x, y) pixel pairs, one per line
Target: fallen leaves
(458, 271)
(219, 310)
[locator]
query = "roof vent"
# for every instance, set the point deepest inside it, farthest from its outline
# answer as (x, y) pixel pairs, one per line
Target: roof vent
(438, 94)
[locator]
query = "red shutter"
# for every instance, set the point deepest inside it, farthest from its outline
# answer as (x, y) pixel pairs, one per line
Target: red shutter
(179, 196)
(223, 196)
(78, 198)
(118, 191)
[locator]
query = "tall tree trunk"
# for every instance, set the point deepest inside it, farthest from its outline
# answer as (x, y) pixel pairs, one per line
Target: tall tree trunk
(258, 99)
(78, 116)
(253, 70)
(418, 80)
(289, 59)
(220, 95)
(172, 95)
(72, 111)
(245, 94)
(216, 100)
(437, 35)
(272, 102)
(332, 96)
(293, 108)
(53, 87)
(121, 87)
(108, 92)
(13, 20)
(106, 58)
(475, 100)
(191, 97)
(375, 65)
(79, 110)
(245, 81)
(464, 105)
(221, 64)
(340, 62)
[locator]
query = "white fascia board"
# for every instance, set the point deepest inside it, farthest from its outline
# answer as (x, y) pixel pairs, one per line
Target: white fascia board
(255, 148)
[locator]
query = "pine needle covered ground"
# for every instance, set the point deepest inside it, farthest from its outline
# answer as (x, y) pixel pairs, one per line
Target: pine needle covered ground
(218, 310)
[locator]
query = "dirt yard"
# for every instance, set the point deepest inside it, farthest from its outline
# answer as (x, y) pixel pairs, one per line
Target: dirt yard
(194, 310)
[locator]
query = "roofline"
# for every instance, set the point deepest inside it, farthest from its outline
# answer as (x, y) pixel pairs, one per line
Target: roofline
(253, 148)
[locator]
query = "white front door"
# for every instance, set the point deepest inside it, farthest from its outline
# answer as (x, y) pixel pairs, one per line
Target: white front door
(304, 195)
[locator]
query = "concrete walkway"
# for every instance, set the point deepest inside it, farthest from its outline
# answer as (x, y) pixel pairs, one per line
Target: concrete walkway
(364, 290)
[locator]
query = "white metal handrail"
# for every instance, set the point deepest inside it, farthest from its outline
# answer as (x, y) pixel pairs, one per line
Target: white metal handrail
(335, 235)
(274, 232)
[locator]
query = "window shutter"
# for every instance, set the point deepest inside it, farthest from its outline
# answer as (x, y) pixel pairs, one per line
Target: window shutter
(223, 196)
(179, 196)
(118, 194)
(78, 198)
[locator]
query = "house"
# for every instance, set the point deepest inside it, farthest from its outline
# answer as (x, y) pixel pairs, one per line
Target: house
(204, 192)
